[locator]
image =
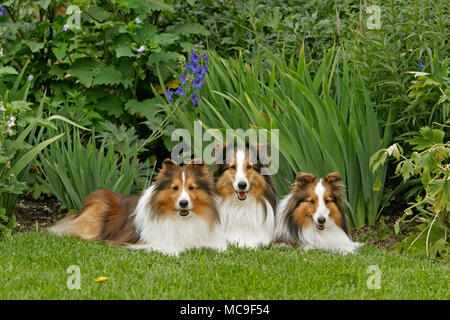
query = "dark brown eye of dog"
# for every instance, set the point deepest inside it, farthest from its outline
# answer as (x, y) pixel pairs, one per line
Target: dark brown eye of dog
(233, 166)
(191, 188)
(175, 187)
(327, 201)
(249, 166)
(311, 201)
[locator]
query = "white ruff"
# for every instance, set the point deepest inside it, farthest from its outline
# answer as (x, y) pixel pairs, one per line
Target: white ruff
(173, 235)
(243, 222)
(332, 238)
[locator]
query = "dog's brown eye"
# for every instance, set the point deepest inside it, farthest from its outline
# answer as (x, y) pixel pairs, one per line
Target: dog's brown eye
(327, 201)
(191, 188)
(249, 166)
(233, 166)
(175, 187)
(311, 201)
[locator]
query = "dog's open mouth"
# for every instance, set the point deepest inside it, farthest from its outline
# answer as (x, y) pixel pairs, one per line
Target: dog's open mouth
(241, 195)
(183, 213)
(320, 226)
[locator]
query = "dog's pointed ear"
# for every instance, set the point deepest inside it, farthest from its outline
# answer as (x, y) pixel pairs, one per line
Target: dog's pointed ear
(259, 153)
(167, 165)
(222, 154)
(302, 179)
(333, 178)
(197, 165)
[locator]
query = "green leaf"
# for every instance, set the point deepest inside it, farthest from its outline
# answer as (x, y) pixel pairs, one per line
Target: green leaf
(18, 106)
(60, 52)
(164, 56)
(85, 70)
(428, 138)
(190, 28)
(147, 5)
(33, 45)
(111, 105)
(108, 76)
(124, 51)
(98, 13)
(7, 71)
(21, 163)
(146, 108)
(43, 3)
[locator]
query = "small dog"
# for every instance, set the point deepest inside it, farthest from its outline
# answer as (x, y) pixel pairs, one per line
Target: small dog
(247, 199)
(313, 215)
(178, 212)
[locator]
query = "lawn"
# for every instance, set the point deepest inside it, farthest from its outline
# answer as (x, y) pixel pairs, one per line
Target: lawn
(33, 265)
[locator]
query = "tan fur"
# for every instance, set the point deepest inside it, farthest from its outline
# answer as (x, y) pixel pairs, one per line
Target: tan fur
(104, 216)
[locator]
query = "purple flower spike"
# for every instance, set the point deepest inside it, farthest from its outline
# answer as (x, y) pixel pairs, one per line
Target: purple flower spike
(194, 99)
(420, 64)
(169, 95)
(180, 91)
(2, 12)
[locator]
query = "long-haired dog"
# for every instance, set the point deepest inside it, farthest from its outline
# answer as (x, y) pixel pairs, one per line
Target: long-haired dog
(247, 199)
(313, 215)
(178, 212)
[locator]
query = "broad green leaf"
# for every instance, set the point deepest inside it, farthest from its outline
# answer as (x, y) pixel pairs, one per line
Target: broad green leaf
(7, 71)
(60, 52)
(98, 13)
(85, 70)
(146, 108)
(33, 45)
(108, 75)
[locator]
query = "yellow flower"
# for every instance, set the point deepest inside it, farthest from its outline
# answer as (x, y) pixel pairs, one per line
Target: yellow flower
(101, 279)
(172, 84)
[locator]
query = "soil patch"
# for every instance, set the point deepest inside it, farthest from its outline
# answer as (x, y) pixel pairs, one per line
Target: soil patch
(37, 214)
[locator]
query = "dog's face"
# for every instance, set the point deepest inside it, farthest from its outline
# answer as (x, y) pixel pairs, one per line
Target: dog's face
(239, 175)
(184, 191)
(316, 200)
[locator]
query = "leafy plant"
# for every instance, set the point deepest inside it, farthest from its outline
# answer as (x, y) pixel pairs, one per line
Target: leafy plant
(430, 212)
(17, 154)
(72, 171)
(104, 52)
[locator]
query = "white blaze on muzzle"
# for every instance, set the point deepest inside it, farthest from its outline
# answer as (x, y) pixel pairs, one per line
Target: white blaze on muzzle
(184, 197)
(322, 212)
(240, 177)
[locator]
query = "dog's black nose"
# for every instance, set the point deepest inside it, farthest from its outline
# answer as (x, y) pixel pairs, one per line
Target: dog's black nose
(183, 203)
(242, 185)
(321, 220)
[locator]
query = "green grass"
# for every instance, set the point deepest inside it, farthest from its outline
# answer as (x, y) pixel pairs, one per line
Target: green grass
(33, 266)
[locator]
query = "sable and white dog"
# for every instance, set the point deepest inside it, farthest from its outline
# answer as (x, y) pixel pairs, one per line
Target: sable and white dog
(313, 215)
(178, 212)
(247, 199)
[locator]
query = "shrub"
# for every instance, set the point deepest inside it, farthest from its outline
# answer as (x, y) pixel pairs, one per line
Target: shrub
(430, 212)
(109, 61)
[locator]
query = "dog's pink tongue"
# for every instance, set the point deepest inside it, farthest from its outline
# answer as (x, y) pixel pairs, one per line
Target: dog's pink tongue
(242, 195)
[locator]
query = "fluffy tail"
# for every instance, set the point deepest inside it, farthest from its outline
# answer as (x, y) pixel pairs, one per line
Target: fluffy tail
(90, 222)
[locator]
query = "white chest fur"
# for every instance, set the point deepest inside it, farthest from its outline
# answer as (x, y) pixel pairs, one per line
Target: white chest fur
(332, 238)
(244, 222)
(173, 235)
